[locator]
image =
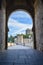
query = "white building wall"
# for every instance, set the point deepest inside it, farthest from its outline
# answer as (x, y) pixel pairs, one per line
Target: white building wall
(28, 42)
(20, 39)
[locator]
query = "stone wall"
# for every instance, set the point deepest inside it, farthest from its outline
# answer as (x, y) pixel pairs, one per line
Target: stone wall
(24, 41)
(2, 29)
(28, 42)
(39, 24)
(20, 39)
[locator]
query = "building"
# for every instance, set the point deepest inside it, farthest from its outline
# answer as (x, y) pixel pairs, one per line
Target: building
(28, 31)
(19, 39)
(26, 41)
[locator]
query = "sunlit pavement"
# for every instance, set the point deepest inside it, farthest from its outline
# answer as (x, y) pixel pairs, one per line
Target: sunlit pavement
(18, 47)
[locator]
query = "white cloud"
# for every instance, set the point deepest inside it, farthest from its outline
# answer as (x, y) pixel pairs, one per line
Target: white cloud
(18, 32)
(21, 26)
(20, 13)
(14, 23)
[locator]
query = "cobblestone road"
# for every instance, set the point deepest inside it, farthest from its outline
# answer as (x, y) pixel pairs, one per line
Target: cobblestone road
(21, 57)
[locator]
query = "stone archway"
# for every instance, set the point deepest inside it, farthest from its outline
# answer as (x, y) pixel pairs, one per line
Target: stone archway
(11, 5)
(34, 7)
(21, 5)
(15, 17)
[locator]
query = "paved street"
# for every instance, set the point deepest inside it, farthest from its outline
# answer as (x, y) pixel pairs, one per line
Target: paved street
(21, 57)
(18, 47)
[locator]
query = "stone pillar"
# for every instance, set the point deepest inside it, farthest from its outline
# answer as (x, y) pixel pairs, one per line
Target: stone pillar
(39, 24)
(2, 28)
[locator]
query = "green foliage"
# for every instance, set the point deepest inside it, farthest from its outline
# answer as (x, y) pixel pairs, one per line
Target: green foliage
(27, 35)
(11, 39)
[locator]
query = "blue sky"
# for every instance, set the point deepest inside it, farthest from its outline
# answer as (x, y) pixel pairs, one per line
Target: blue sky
(18, 22)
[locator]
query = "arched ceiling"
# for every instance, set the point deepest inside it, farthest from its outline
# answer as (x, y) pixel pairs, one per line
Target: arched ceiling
(12, 5)
(0, 3)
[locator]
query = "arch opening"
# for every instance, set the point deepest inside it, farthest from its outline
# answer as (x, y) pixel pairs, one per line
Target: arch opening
(20, 24)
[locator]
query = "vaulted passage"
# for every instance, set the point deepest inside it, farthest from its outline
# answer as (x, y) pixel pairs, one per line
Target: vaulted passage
(35, 9)
(23, 6)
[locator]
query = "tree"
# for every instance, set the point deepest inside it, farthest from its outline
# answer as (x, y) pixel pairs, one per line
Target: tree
(11, 39)
(27, 35)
